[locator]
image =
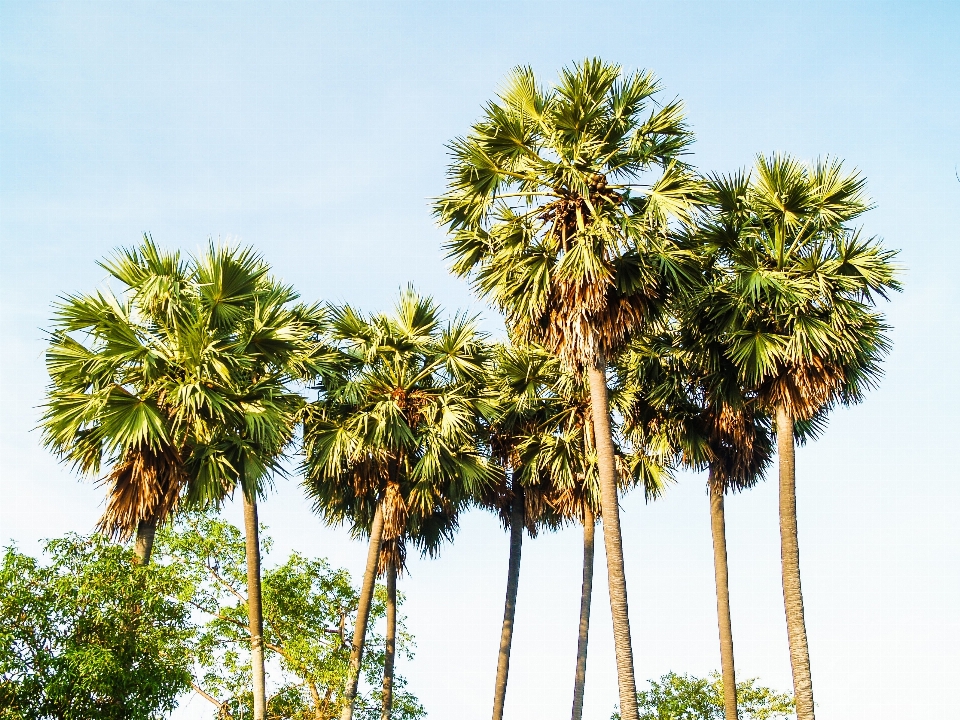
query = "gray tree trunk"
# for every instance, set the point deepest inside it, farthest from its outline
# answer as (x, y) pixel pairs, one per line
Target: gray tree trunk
(586, 595)
(390, 654)
(790, 565)
(363, 615)
(255, 607)
(143, 545)
(718, 528)
(510, 603)
(613, 541)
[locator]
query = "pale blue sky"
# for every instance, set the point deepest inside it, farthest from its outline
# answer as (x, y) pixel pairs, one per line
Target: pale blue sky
(315, 131)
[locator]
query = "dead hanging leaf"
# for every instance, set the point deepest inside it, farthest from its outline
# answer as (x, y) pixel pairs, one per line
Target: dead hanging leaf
(392, 547)
(144, 485)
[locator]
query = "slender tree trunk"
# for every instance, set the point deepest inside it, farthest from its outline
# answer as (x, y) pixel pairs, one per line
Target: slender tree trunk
(612, 541)
(143, 546)
(317, 702)
(255, 607)
(391, 639)
(363, 615)
(790, 561)
(586, 595)
(718, 527)
(510, 603)
(324, 707)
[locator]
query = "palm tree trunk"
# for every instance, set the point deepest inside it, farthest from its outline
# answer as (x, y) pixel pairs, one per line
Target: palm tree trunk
(790, 567)
(143, 546)
(586, 595)
(612, 541)
(510, 603)
(363, 615)
(390, 653)
(255, 607)
(718, 527)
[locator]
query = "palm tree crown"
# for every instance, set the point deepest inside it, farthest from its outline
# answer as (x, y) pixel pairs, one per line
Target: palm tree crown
(559, 202)
(399, 426)
(797, 283)
(113, 365)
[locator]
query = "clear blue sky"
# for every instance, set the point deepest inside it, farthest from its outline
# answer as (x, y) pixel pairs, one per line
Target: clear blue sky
(315, 131)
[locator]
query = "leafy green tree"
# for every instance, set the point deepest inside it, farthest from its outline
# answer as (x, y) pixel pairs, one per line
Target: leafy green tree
(391, 445)
(559, 204)
(794, 298)
(684, 697)
(308, 608)
(87, 633)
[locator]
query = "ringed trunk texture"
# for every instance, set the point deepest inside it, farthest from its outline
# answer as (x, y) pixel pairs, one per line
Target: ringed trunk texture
(363, 615)
(718, 527)
(586, 595)
(255, 607)
(143, 546)
(390, 654)
(510, 603)
(612, 541)
(790, 564)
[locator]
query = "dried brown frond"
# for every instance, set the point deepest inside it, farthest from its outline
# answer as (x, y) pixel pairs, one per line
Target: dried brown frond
(392, 548)
(145, 485)
(804, 388)
(586, 319)
(738, 448)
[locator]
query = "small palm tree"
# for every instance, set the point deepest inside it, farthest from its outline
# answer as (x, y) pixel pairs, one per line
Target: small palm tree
(549, 214)
(391, 445)
(183, 387)
(795, 298)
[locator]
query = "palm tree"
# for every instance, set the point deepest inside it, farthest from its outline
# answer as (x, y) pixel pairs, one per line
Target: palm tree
(560, 454)
(795, 298)
(547, 214)
(113, 363)
(714, 421)
(182, 388)
(391, 445)
(259, 342)
(520, 396)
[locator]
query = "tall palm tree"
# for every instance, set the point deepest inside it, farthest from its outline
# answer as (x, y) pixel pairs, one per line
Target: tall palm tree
(561, 452)
(549, 215)
(261, 342)
(391, 445)
(113, 361)
(795, 297)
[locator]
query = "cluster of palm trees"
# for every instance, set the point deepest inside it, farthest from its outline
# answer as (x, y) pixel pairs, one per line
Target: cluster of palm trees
(657, 319)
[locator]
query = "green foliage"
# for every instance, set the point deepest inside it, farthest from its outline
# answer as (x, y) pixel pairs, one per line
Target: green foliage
(684, 697)
(90, 634)
(308, 612)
